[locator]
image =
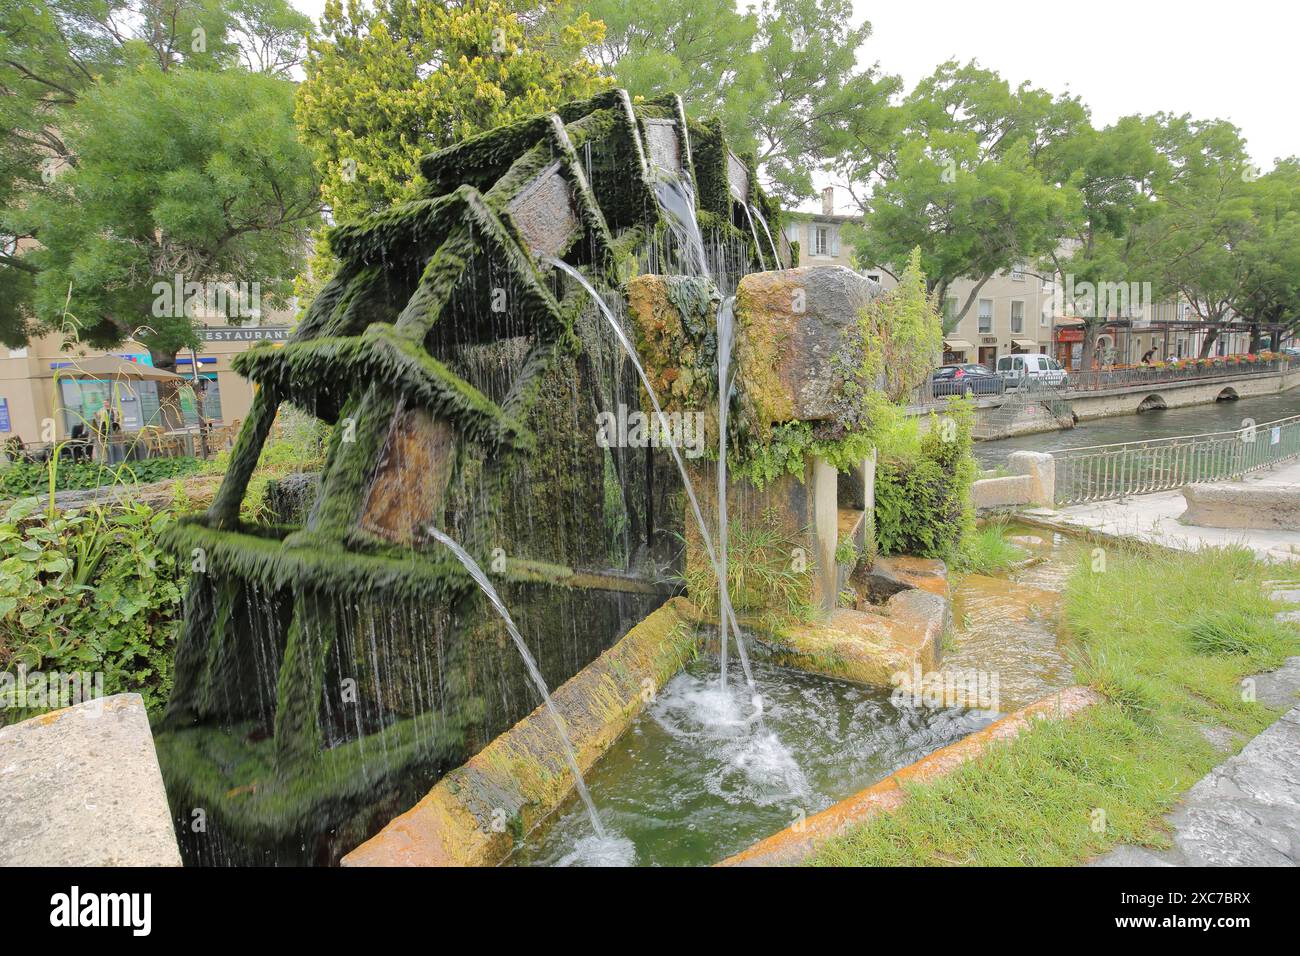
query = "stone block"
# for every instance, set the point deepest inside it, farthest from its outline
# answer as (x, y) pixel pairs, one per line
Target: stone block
(81, 787)
(672, 319)
(790, 324)
(1008, 492)
(1040, 468)
(1239, 504)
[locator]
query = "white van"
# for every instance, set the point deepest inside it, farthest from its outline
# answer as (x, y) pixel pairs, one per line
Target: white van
(1015, 368)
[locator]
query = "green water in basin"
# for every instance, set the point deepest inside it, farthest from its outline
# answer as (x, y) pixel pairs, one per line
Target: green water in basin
(687, 788)
(693, 781)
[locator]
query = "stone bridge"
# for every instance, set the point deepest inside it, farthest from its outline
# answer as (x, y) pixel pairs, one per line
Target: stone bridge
(995, 421)
(1146, 396)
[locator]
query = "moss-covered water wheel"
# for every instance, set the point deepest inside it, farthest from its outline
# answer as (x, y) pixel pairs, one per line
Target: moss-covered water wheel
(329, 671)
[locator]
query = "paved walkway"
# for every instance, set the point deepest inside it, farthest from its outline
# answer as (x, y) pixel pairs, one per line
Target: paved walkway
(1154, 518)
(1246, 811)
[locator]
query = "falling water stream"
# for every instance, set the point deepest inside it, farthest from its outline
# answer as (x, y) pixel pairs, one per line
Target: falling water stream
(726, 341)
(714, 560)
(677, 201)
(604, 848)
(776, 257)
(753, 231)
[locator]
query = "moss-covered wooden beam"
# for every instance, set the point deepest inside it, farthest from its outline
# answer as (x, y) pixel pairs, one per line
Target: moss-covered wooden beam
(407, 230)
(314, 560)
(380, 355)
(224, 510)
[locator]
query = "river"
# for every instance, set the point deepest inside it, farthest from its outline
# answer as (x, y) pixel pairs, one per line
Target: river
(1192, 420)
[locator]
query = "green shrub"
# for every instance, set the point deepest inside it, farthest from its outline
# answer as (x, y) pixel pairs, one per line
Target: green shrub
(22, 479)
(89, 591)
(923, 498)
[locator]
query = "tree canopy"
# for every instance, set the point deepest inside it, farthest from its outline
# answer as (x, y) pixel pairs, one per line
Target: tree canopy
(154, 195)
(389, 81)
(783, 77)
(140, 138)
(957, 170)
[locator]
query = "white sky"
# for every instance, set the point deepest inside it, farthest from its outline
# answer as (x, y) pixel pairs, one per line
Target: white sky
(1236, 60)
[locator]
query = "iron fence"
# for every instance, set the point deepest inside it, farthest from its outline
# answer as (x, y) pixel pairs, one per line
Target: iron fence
(931, 392)
(1101, 379)
(1104, 472)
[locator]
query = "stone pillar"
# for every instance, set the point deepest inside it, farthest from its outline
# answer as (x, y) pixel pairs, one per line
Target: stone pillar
(826, 524)
(1041, 471)
(869, 487)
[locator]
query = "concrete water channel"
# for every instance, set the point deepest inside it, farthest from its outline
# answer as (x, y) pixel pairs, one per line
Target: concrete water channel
(690, 783)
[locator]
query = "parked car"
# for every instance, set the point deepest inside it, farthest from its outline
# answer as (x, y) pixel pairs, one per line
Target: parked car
(1014, 369)
(968, 379)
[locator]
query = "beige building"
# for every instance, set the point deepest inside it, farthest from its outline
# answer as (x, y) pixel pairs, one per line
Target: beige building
(37, 390)
(1011, 312)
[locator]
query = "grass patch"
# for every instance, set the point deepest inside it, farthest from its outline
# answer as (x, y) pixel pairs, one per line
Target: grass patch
(987, 551)
(761, 575)
(1167, 639)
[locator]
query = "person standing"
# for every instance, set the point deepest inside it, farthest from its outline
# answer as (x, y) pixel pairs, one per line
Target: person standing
(105, 424)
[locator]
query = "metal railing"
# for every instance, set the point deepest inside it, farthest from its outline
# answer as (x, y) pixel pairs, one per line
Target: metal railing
(1104, 472)
(1101, 379)
(931, 392)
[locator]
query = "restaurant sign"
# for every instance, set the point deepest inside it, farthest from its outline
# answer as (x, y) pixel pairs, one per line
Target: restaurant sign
(256, 333)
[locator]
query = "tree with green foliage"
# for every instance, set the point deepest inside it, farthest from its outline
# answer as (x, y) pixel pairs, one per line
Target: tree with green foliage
(955, 168)
(1199, 234)
(390, 81)
(187, 174)
(783, 76)
(1270, 292)
(1113, 175)
(56, 53)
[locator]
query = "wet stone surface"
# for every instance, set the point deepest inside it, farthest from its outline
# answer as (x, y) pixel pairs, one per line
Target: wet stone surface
(1246, 811)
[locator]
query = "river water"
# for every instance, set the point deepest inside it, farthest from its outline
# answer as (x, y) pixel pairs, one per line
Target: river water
(1192, 420)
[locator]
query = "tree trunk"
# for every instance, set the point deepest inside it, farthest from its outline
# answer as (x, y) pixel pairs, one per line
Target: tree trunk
(1254, 339)
(1086, 354)
(169, 395)
(1210, 338)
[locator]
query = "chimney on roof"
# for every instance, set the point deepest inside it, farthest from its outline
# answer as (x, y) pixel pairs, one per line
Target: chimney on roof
(828, 201)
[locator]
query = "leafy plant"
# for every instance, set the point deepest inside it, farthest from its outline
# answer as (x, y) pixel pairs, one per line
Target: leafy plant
(34, 478)
(89, 591)
(923, 499)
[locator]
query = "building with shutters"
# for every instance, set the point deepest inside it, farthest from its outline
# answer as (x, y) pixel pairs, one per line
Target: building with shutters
(1011, 313)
